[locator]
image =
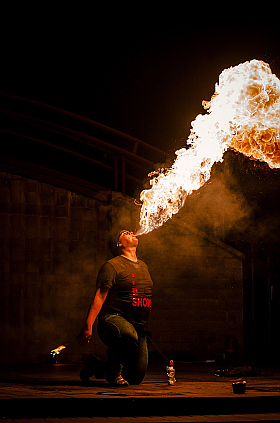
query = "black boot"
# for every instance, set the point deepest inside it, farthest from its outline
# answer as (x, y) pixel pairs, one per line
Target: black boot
(93, 367)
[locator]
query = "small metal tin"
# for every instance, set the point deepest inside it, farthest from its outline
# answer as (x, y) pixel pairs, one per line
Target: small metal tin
(239, 387)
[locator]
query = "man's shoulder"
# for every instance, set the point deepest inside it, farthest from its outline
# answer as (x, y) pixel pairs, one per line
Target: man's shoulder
(114, 260)
(119, 261)
(142, 263)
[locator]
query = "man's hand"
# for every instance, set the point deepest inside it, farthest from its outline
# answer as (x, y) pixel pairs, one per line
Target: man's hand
(95, 307)
(85, 335)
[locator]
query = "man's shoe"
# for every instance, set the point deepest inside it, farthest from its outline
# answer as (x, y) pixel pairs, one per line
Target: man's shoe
(92, 367)
(119, 381)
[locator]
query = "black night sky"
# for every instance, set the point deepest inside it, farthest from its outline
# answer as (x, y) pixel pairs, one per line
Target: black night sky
(143, 72)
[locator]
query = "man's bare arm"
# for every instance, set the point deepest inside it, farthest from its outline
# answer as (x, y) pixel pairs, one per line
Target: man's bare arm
(94, 309)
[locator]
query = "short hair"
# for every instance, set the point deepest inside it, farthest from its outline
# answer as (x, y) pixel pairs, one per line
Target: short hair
(113, 244)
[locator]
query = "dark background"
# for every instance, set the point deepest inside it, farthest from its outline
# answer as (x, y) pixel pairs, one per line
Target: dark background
(144, 70)
(141, 70)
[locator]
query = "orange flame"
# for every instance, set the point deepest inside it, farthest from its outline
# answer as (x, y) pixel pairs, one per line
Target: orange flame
(57, 350)
(243, 114)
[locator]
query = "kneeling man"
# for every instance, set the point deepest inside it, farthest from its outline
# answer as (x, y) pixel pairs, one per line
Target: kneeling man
(122, 303)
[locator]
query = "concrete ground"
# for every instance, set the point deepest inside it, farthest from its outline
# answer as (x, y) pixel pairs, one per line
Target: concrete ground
(53, 392)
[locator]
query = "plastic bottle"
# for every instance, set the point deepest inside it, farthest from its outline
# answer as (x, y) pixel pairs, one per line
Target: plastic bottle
(171, 373)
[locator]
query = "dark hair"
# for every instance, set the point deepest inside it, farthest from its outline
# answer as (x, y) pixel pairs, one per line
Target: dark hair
(113, 244)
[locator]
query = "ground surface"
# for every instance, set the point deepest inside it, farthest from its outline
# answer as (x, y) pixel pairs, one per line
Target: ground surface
(53, 392)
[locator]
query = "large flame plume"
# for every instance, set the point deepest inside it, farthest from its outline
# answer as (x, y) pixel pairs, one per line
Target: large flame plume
(243, 114)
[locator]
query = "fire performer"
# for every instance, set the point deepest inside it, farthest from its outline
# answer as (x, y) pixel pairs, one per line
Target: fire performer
(122, 303)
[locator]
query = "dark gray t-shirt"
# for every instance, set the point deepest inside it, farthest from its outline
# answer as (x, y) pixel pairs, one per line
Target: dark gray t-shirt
(130, 292)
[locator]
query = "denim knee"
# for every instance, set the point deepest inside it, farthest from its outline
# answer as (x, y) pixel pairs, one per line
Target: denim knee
(114, 329)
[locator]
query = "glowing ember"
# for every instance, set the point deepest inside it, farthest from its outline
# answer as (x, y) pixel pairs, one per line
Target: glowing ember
(243, 114)
(57, 350)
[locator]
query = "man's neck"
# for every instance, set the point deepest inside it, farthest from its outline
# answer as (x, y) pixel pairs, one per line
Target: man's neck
(130, 254)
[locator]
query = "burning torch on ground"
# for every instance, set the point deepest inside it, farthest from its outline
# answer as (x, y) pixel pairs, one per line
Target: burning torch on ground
(55, 352)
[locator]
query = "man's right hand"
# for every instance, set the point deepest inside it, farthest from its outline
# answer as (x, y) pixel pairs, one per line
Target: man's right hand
(95, 307)
(85, 335)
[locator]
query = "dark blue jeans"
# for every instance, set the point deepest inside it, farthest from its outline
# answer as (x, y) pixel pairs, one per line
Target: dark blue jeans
(127, 348)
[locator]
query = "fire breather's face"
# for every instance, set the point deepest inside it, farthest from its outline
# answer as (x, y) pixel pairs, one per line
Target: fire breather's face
(128, 239)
